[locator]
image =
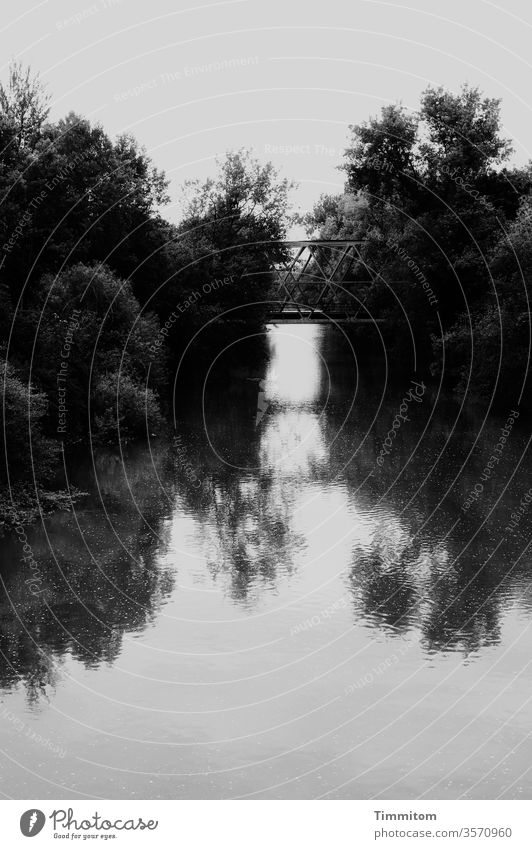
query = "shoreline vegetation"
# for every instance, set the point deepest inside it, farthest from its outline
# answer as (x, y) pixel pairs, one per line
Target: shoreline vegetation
(101, 295)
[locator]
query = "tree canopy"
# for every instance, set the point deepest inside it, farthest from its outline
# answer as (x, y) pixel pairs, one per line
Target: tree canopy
(440, 211)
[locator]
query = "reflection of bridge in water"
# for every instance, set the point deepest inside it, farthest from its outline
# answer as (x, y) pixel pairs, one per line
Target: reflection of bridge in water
(316, 283)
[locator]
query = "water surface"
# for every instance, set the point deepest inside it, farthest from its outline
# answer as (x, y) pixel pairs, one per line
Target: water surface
(264, 609)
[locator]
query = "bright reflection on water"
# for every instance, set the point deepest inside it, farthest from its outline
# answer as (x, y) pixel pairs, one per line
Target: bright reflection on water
(294, 373)
(264, 611)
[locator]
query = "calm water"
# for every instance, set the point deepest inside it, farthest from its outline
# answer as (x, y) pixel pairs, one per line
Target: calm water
(264, 611)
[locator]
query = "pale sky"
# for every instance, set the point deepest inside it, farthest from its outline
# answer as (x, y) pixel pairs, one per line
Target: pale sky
(191, 80)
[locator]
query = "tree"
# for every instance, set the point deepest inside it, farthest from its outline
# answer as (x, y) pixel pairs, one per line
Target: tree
(339, 216)
(88, 326)
(86, 198)
(382, 158)
(461, 131)
(430, 199)
(232, 229)
(492, 350)
(25, 103)
(244, 193)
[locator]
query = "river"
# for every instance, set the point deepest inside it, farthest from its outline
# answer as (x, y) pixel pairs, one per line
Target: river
(275, 607)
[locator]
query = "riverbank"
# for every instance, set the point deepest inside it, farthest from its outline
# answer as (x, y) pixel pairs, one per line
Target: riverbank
(21, 506)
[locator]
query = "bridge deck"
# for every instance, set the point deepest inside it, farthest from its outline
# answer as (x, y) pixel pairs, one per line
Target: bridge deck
(318, 317)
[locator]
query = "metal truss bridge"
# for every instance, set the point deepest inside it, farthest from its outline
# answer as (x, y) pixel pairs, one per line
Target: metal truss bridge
(315, 283)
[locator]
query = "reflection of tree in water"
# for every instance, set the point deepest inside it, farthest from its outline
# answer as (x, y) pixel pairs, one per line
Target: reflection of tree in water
(245, 517)
(384, 584)
(455, 603)
(400, 585)
(240, 482)
(248, 532)
(23, 659)
(101, 581)
(464, 607)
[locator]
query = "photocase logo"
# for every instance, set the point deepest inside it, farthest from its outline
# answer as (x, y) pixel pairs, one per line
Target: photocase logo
(32, 822)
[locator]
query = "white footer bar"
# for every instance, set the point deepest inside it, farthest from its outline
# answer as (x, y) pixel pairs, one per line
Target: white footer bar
(268, 824)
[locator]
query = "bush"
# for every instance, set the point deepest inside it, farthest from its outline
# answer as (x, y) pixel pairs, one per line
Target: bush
(488, 358)
(123, 409)
(90, 321)
(24, 457)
